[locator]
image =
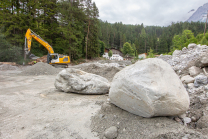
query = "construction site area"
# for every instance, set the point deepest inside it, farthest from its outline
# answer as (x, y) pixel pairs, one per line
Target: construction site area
(160, 98)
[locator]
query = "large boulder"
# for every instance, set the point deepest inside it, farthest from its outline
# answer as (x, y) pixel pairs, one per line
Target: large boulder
(149, 88)
(77, 81)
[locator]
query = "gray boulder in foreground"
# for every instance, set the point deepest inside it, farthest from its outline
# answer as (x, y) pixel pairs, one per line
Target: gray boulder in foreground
(77, 81)
(149, 88)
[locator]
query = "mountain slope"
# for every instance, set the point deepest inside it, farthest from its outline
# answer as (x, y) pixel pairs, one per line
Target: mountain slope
(200, 14)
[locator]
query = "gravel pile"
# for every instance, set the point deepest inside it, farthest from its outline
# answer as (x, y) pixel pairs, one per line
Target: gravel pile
(131, 126)
(8, 67)
(105, 70)
(41, 69)
(122, 63)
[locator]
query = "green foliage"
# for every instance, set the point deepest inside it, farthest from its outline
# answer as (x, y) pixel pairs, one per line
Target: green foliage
(203, 41)
(150, 54)
(157, 38)
(199, 37)
(9, 53)
(143, 33)
(188, 37)
(77, 30)
(127, 49)
(206, 35)
(110, 53)
(67, 33)
(177, 42)
(102, 48)
(134, 50)
(183, 40)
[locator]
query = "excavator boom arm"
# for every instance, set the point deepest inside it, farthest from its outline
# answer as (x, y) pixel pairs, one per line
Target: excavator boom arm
(28, 39)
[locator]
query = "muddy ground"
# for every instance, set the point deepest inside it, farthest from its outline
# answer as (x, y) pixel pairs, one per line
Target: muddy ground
(31, 107)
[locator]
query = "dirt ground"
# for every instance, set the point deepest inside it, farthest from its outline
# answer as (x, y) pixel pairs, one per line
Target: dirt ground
(31, 107)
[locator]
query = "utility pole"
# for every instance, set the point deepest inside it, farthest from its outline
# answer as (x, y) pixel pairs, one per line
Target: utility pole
(205, 24)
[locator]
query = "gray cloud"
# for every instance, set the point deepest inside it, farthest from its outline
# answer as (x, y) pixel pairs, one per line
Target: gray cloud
(149, 12)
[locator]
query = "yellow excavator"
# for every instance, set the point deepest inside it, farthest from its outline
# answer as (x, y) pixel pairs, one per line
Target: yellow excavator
(52, 58)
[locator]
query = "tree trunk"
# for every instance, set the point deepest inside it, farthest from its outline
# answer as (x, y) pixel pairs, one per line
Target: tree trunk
(205, 24)
(87, 37)
(70, 50)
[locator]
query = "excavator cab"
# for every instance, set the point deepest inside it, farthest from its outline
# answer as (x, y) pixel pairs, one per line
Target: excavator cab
(54, 58)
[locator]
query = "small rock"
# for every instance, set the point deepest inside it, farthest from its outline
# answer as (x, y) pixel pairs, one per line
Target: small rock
(184, 49)
(182, 116)
(192, 45)
(186, 136)
(157, 124)
(191, 85)
(200, 80)
(203, 100)
(193, 119)
(187, 79)
(204, 61)
(176, 53)
(194, 71)
(111, 132)
(101, 115)
(203, 122)
(178, 119)
(187, 120)
(206, 88)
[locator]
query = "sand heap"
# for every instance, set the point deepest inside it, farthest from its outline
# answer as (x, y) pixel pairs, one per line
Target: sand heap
(41, 69)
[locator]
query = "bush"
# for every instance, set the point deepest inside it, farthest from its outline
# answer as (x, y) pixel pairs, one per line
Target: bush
(8, 52)
(150, 54)
(204, 41)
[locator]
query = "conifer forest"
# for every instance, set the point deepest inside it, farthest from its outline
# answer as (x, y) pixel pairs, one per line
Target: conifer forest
(73, 27)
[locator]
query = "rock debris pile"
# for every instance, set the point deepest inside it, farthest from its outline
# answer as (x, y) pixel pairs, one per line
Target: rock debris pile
(182, 60)
(106, 70)
(191, 64)
(40, 69)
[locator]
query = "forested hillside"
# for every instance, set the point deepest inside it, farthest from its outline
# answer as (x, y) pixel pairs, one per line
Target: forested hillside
(160, 39)
(70, 26)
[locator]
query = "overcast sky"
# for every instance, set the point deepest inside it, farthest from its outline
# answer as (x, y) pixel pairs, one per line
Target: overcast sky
(148, 12)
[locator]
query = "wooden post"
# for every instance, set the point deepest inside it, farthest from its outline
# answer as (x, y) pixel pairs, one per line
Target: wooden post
(205, 24)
